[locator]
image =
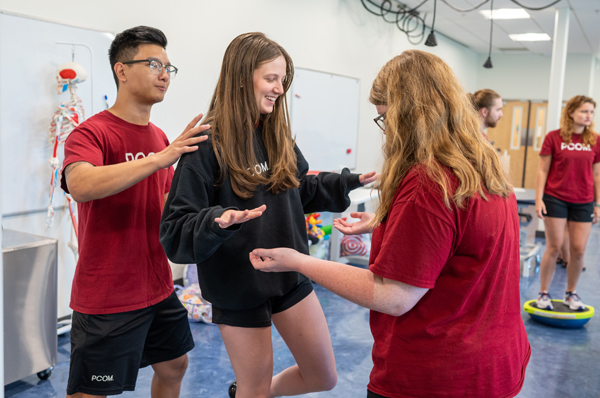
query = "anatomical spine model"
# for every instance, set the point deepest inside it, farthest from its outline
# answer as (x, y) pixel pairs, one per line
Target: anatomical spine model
(66, 118)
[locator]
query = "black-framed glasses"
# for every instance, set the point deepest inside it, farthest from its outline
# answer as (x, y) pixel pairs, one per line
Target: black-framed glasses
(156, 67)
(380, 121)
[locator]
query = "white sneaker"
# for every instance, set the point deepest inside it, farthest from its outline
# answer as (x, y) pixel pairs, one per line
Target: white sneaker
(573, 301)
(543, 301)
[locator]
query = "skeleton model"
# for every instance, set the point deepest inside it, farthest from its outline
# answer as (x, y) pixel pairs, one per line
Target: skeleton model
(66, 118)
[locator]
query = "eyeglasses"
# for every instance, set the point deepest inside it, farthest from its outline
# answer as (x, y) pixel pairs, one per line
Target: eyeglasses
(156, 67)
(380, 121)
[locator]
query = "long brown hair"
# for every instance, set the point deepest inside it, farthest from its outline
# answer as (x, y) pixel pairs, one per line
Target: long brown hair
(233, 115)
(431, 122)
(589, 136)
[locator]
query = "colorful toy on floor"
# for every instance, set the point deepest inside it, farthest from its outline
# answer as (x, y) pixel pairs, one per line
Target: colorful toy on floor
(199, 310)
(561, 317)
(314, 225)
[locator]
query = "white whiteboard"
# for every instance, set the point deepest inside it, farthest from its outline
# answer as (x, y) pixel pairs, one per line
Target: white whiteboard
(324, 118)
(28, 100)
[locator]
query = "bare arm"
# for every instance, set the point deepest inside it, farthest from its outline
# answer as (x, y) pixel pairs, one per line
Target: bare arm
(596, 170)
(358, 285)
(540, 184)
(87, 182)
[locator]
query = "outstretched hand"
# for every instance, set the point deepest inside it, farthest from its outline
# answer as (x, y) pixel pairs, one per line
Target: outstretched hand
(185, 143)
(276, 260)
(363, 226)
(368, 178)
(230, 217)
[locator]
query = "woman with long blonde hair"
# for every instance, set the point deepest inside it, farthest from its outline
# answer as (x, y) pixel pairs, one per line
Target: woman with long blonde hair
(250, 188)
(443, 277)
(567, 195)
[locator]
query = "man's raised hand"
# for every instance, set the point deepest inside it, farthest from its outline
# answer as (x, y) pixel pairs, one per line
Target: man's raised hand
(185, 143)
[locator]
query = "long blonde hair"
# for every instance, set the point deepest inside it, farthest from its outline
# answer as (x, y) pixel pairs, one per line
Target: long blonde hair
(589, 136)
(431, 122)
(233, 115)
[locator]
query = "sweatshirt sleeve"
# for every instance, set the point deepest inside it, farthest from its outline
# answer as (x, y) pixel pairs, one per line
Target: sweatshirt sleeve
(188, 231)
(325, 191)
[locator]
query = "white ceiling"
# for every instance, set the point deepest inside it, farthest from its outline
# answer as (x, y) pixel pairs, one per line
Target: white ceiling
(473, 30)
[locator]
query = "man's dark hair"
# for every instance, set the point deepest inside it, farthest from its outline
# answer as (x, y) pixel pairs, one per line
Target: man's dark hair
(125, 45)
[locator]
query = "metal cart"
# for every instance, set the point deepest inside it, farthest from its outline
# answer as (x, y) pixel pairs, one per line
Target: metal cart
(30, 305)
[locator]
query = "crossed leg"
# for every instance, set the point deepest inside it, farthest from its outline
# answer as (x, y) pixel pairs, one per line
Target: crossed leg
(304, 330)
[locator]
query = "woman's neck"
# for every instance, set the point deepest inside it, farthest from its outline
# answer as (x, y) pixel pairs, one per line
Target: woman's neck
(578, 129)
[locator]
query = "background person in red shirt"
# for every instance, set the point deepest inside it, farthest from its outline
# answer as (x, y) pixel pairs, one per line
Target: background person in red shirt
(568, 194)
(118, 168)
(443, 277)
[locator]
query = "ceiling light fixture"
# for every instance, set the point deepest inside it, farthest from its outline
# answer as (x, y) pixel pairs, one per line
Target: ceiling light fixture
(431, 40)
(488, 63)
(530, 37)
(506, 13)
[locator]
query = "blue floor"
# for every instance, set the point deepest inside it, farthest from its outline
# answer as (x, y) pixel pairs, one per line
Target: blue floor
(564, 363)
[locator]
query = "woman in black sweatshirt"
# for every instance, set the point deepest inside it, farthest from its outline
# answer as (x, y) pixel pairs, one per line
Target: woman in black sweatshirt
(249, 188)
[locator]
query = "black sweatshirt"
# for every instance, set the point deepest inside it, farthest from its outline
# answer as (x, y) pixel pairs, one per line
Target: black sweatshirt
(189, 234)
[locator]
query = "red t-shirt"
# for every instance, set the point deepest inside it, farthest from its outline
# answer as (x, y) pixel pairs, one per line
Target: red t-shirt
(122, 266)
(465, 337)
(570, 177)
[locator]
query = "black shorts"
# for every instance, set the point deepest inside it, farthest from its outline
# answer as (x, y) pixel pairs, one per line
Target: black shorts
(260, 317)
(371, 394)
(108, 350)
(579, 212)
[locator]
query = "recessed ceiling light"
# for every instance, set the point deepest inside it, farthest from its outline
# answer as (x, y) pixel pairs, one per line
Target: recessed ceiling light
(506, 13)
(530, 37)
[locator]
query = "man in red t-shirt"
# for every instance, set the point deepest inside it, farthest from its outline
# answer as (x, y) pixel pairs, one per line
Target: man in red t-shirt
(118, 168)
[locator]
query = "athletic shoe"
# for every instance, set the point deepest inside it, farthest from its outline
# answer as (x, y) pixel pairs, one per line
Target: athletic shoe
(543, 301)
(573, 301)
(232, 389)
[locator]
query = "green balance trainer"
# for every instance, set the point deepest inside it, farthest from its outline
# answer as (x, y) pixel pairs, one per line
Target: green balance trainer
(561, 317)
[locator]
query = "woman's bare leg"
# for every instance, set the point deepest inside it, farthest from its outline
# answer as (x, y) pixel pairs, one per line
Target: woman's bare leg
(251, 354)
(579, 233)
(554, 230)
(304, 329)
